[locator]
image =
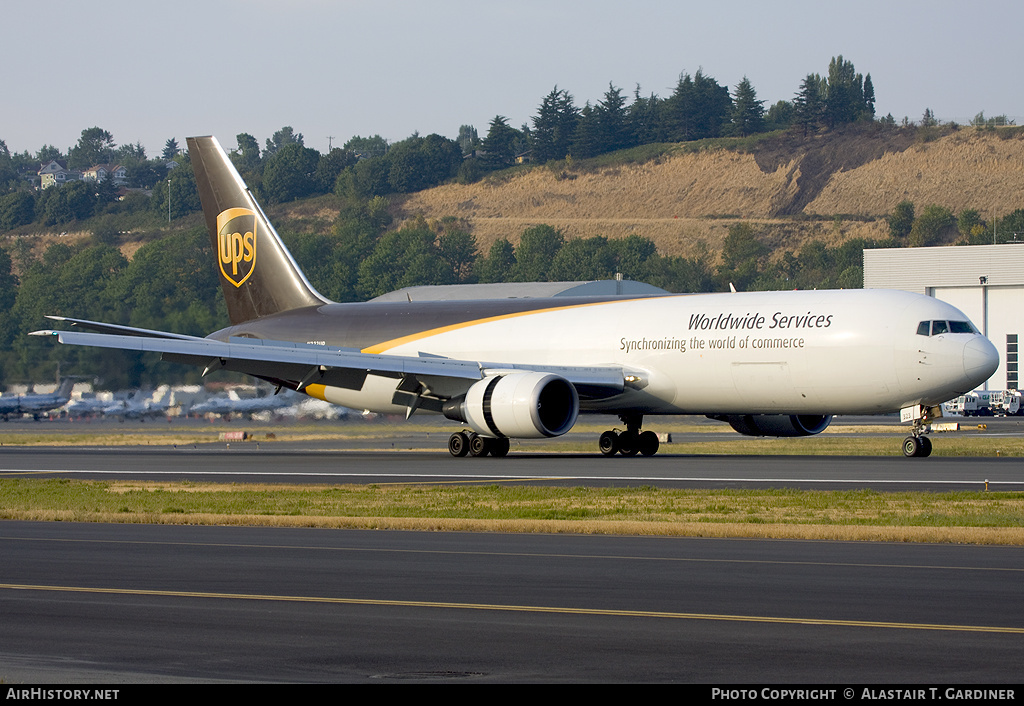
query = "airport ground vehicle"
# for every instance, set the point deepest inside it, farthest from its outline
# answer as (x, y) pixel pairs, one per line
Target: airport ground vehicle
(987, 403)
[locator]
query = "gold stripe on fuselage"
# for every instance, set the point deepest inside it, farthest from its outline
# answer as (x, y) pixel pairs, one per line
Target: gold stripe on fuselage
(385, 346)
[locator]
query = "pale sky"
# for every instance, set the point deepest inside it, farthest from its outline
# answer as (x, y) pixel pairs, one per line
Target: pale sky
(150, 71)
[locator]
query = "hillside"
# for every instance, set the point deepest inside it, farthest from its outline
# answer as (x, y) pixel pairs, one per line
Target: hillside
(832, 187)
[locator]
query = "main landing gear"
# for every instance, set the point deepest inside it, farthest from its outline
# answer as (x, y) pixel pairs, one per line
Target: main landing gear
(630, 442)
(463, 443)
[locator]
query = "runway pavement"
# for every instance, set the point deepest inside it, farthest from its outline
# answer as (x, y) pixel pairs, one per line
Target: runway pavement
(379, 454)
(117, 604)
(82, 603)
(312, 463)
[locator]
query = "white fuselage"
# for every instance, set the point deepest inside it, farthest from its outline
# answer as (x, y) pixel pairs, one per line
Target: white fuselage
(799, 352)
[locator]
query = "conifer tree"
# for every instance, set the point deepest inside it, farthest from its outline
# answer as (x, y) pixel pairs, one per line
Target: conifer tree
(554, 126)
(844, 94)
(747, 111)
(644, 118)
(869, 98)
(586, 141)
(808, 105)
(612, 121)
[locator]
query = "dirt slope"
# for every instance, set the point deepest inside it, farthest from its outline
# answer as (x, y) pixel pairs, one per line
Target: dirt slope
(967, 169)
(686, 202)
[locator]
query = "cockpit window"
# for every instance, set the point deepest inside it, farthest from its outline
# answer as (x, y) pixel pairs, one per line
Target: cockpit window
(934, 328)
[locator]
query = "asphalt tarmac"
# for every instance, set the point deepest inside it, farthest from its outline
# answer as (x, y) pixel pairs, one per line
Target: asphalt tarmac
(304, 466)
(112, 604)
(90, 603)
(411, 453)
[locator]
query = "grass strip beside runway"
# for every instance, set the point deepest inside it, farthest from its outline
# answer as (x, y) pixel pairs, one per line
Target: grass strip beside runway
(968, 517)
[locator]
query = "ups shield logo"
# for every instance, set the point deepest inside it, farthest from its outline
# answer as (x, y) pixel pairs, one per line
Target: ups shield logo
(236, 244)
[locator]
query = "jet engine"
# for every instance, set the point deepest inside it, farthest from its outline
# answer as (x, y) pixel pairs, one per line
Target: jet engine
(777, 424)
(517, 405)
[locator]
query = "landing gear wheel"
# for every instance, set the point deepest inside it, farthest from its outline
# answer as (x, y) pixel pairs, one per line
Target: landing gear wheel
(458, 444)
(609, 443)
(910, 446)
(917, 447)
(629, 443)
(648, 443)
(926, 446)
(499, 447)
(478, 445)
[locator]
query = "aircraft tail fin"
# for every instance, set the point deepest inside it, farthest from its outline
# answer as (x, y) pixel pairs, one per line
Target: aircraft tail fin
(66, 385)
(257, 273)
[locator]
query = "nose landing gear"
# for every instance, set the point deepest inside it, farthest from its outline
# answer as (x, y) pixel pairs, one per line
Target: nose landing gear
(917, 445)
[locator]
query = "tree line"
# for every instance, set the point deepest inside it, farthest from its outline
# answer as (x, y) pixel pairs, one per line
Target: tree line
(285, 169)
(938, 225)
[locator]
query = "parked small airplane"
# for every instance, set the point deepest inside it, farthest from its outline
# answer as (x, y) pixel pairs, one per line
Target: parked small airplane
(768, 363)
(138, 406)
(232, 404)
(34, 404)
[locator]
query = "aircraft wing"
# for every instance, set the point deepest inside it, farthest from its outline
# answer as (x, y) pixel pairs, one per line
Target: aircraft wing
(299, 365)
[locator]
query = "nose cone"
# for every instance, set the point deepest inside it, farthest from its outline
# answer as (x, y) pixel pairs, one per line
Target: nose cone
(980, 359)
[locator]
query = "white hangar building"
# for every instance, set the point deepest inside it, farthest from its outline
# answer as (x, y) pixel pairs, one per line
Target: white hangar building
(986, 282)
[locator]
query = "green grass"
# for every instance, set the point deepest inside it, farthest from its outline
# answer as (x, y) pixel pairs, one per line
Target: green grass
(129, 501)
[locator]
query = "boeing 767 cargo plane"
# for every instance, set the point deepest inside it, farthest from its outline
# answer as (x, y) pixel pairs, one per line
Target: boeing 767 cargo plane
(768, 363)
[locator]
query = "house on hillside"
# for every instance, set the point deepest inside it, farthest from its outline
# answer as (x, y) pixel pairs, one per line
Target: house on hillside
(102, 172)
(56, 172)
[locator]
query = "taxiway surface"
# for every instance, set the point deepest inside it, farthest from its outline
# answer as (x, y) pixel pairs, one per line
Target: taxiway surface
(395, 454)
(303, 464)
(106, 603)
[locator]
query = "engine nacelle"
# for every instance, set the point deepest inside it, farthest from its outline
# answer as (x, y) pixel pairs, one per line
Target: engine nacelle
(777, 424)
(517, 405)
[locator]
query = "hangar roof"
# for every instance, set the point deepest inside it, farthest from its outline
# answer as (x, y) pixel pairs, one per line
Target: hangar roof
(917, 269)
